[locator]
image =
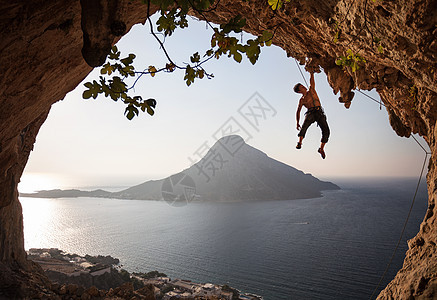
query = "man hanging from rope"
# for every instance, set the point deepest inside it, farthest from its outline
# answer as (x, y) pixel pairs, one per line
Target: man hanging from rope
(314, 113)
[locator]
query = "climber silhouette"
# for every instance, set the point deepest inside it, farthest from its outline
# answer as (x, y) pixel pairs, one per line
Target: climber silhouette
(314, 113)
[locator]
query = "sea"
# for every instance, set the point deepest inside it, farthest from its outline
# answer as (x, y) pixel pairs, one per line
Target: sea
(333, 247)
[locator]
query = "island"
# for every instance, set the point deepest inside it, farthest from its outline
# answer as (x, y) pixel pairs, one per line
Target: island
(230, 171)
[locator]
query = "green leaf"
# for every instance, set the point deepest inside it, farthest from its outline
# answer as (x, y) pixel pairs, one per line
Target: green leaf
(131, 111)
(114, 54)
(380, 49)
(267, 37)
(275, 4)
(167, 22)
(183, 22)
(238, 57)
(351, 60)
(87, 94)
(117, 85)
(252, 50)
(195, 58)
(209, 52)
(235, 24)
(148, 105)
(127, 71)
(151, 102)
(189, 75)
(170, 67)
(93, 90)
(128, 60)
(107, 69)
(152, 70)
(108, 92)
(200, 73)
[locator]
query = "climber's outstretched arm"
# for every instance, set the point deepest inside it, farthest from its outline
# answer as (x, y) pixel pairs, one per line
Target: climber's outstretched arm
(312, 81)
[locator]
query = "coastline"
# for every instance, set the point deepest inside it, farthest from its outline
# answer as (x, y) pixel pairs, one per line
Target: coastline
(98, 277)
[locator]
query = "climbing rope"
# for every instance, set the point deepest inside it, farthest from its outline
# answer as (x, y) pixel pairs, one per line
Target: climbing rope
(411, 206)
(420, 145)
(297, 64)
(373, 99)
(405, 225)
(412, 202)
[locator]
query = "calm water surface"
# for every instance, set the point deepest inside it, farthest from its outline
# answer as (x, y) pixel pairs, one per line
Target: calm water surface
(334, 247)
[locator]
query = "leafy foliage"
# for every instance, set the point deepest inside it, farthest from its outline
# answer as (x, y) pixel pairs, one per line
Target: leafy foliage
(352, 60)
(116, 88)
(222, 43)
(173, 15)
(170, 20)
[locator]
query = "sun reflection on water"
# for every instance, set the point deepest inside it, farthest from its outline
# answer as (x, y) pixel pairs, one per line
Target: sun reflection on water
(33, 182)
(39, 215)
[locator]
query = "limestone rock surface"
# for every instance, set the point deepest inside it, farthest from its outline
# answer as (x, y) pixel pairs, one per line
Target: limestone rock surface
(48, 47)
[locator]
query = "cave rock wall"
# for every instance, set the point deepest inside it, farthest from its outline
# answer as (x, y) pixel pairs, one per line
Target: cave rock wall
(48, 47)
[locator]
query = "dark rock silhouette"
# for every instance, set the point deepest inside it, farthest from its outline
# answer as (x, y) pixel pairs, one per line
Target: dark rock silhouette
(73, 193)
(45, 43)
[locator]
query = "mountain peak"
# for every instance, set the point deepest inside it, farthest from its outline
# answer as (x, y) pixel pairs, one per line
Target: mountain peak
(234, 171)
(234, 137)
(230, 143)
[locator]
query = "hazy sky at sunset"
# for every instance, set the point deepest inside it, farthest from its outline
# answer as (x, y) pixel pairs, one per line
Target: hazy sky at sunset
(91, 143)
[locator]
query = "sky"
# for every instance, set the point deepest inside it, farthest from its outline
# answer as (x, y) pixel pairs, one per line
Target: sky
(89, 143)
